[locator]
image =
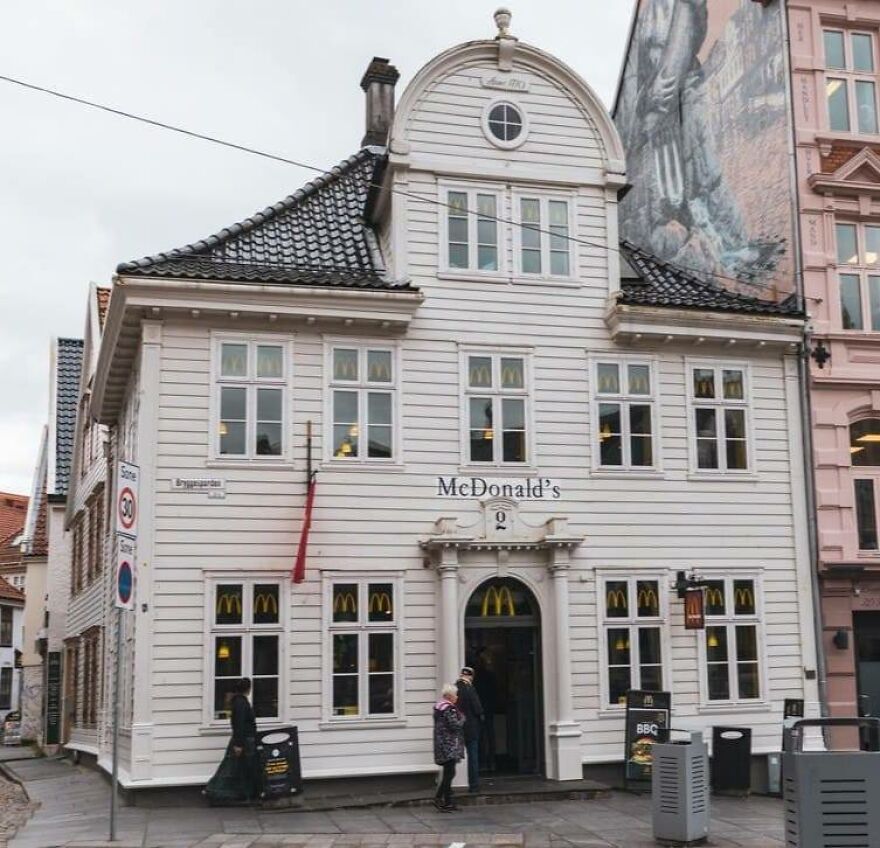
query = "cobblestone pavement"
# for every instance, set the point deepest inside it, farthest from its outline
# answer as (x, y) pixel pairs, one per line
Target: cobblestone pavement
(15, 810)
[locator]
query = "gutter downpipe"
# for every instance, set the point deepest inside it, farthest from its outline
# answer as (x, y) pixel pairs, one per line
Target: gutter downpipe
(803, 364)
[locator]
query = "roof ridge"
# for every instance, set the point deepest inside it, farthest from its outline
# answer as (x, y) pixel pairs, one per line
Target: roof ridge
(206, 244)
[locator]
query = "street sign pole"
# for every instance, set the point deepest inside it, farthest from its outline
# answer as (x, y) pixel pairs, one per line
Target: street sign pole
(115, 779)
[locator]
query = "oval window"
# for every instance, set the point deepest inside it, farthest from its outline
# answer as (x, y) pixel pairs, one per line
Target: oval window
(505, 122)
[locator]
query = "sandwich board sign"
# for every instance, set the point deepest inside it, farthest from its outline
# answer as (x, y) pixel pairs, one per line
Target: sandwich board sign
(125, 571)
(647, 722)
(127, 478)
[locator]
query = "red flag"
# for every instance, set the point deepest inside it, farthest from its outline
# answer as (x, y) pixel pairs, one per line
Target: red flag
(299, 569)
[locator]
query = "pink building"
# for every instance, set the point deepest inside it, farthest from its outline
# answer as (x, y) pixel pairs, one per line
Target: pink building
(835, 61)
(708, 105)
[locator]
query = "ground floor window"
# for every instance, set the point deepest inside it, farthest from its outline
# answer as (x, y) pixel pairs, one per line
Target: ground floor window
(362, 617)
(247, 626)
(732, 640)
(633, 635)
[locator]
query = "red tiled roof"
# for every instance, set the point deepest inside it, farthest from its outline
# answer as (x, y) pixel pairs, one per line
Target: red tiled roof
(13, 511)
(8, 592)
(103, 303)
(10, 553)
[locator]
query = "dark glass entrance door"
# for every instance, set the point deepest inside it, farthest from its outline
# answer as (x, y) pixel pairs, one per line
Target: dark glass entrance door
(867, 654)
(505, 652)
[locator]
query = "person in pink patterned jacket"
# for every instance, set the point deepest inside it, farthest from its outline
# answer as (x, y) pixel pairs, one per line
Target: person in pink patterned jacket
(448, 744)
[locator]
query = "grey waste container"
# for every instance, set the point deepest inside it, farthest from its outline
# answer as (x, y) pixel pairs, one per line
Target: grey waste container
(680, 789)
(830, 797)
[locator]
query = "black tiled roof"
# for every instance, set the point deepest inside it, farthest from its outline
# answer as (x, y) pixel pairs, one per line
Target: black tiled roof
(69, 366)
(654, 282)
(316, 236)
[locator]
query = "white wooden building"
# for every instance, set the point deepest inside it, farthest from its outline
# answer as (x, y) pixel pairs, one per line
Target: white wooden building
(522, 431)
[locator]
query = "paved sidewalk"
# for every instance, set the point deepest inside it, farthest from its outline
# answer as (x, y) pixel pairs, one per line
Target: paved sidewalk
(74, 804)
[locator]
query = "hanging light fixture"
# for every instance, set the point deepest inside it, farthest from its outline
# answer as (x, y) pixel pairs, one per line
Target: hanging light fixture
(605, 432)
(712, 639)
(488, 434)
(353, 431)
(223, 651)
(224, 430)
(622, 644)
(345, 448)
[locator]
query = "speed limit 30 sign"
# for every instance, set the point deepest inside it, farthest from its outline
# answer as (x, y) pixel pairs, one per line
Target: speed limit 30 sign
(127, 478)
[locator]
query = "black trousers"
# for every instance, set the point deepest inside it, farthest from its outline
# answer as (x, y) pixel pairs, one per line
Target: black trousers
(444, 790)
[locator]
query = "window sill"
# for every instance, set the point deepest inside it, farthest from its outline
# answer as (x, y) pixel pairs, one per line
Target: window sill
(360, 465)
(362, 724)
(244, 462)
(611, 712)
(541, 280)
(628, 473)
(726, 476)
(504, 471)
(721, 708)
(223, 729)
(475, 276)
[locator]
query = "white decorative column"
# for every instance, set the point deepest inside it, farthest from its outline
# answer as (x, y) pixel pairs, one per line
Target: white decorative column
(565, 733)
(448, 625)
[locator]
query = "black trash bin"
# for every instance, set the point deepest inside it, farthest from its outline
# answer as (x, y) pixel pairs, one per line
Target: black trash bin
(732, 760)
(278, 752)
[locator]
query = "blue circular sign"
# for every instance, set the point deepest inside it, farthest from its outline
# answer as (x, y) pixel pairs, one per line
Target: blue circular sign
(124, 582)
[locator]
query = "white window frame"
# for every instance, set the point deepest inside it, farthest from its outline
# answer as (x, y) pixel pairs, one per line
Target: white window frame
(362, 387)
(625, 399)
(631, 623)
(719, 366)
(730, 621)
(363, 628)
(850, 77)
(251, 383)
(524, 117)
(245, 630)
(861, 269)
(544, 197)
(472, 189)
(465, 393)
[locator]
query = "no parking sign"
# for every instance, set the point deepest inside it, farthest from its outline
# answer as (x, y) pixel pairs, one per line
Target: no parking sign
(125, 571)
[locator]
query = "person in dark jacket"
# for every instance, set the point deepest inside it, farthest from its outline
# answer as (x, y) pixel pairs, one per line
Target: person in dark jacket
(472, 709)
(448, 745)
(237, 778)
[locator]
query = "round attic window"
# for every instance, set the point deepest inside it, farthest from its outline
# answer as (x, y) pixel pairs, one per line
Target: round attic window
(505, 124)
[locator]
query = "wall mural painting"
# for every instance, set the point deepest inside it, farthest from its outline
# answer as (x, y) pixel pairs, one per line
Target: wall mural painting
(702, 113)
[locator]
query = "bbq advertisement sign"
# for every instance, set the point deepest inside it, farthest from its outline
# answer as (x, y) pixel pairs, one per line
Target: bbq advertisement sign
(647, 722)
(278, 752)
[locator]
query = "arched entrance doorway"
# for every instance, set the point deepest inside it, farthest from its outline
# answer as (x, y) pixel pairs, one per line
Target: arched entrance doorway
(503, 644)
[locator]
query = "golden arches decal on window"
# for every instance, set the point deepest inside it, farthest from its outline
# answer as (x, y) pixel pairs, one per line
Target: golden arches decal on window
(512, 376)
(265, 603)
(227, 603)
(497, 599)
(744, 597)
(714, 597)
(345, 602)
(380, 372)
(647, 597)
(481, 375)
(380, 602)
(616, 598)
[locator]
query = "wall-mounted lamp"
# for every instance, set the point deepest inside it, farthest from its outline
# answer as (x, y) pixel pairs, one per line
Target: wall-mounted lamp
(841, 639)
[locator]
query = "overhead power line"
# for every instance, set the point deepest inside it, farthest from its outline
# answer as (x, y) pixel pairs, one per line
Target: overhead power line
(699, 272)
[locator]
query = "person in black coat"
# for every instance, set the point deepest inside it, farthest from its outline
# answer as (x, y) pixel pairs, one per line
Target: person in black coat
(472, 710)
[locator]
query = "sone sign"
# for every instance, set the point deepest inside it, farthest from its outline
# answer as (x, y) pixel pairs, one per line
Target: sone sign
(127, 479)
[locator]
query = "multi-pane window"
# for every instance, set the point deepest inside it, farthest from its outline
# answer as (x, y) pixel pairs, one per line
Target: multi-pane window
(472, 229)
(247, 626)
(733, 665)
(5, 688)
(91, 677)
(632, 631)
(544, 242)
(95, 532)
(496, 408)
(850, 85)
(251, 391)
(858, 260)
(78, 552)
(363, 633)
(864, 448)
(363, 382)
(5, 627)
(625, 409)
(719, 409)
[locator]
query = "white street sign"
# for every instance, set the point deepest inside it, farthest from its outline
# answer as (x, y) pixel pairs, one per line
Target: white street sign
(127, 477)
(123, 587)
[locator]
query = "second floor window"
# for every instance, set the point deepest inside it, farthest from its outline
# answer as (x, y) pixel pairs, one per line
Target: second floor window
(363, 381)
(858, 260)
(625, 396)
(850, 85)
(544, 245)
(5, 627)
(472, 230)
(719, 407)
(864, 441)
(496, 409)
(252, 398)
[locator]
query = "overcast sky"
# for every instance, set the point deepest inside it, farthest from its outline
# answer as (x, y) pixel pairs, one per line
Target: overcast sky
(81, 191)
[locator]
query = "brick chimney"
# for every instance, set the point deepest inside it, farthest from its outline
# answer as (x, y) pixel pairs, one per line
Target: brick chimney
(378, 84)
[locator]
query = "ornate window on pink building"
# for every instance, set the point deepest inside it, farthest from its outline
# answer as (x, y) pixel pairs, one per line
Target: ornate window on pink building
(864, 447)
(850, 82)
(858, 260)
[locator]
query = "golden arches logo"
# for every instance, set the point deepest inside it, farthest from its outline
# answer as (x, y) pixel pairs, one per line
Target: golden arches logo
(648, 598)
(345, 602)
(616, 598)
(744, 597)
(500, 597)
(380, 372)
(481, 375)
(380, 602)
(512, 377)
(227, 603)
(714, 597)
(266, 603)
